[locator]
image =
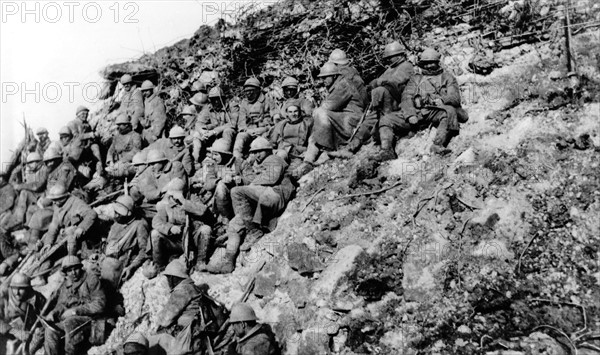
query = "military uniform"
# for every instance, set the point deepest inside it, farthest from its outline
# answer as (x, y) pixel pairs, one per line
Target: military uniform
(16, 317)
(74, 213)
(170, 213)
(214, 181)
(88, 299)
(338, 115)
(79, 127)
(155, 118)
(123, 148)
(132, 104)
(292, 138)
(210, 119)
(29, 191)
(429, 87)
(258, 341)
(353, 77)
(126, 247)
(253, 119)
(151, 184)
(42, 147)
(180, 154)
(8, 196)
(63, 174)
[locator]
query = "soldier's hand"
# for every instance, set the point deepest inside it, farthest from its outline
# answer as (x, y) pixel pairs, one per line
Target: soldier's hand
(438, 102)
(175, 230)
(69, 313)
(413, 120)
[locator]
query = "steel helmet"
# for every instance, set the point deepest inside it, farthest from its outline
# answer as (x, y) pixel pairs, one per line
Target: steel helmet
(81, 109)
(139, 158)
(393, 49)
(199, 99)
(177, 269)
(174, 187)
(328, 69)
(215, 92)
(41, 130)
(242, 312)
(147, 85)
(33, 157)
(252, 82)
(126, 79)
(40, 220)
(20, 280)
(51, 154)
(155, 156)
(199, 86)
(338, 56)
(220, 146)
(137, 338)
(260, 143)
(57, 192)
(65, 131)
(69, 261)
(430, 55)
(123, 119)
(289, 82)
(123, 205)
(189, 110)
(176, 132)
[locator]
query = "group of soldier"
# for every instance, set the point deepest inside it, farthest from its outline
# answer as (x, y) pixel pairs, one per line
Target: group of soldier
(192, 197)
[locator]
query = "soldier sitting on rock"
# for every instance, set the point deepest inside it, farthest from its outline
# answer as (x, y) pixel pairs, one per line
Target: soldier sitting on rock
(432, 96)
(169, 225)
(342, 63)
(80, 305)
(124, 145)
(291, 135)
(155, 114)
(187, 304)
(291, 93)
(160, 171)
(126, 244)
(60, 171)
(253, 117)
(251, 337)
(80, 124)
(32, 187)
(18, 309)
(175, 149)
(265, 195)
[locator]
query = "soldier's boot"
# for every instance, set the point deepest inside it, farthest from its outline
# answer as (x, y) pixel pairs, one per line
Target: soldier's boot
(225, 265)
(387, 145)
(203, 244)
(253, 233)
(348, 151)
(442, 138)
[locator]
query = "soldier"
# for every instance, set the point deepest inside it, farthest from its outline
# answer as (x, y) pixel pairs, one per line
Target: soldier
(36, 176)
(139, 164)
(80, 124)
(126, 243)
(124, 146)
(187, 304)
(169, 225)
(433, 97)
(132, 102)
(199, 100)
(265, 196)
(338, 116)
(8, 196)
(136, 344)
(69, 211)
(253, 117)
(291, 93)
(89, 164)
(59, 170)
(155, 114)
(213, 122)
(80, 302)
(188, 117)
(175, 149)
(386, 96)
(223, 172)
(18, 310)
(252, 338)
(43, 140)
(159, 173)
(338, 57)
(291, 135)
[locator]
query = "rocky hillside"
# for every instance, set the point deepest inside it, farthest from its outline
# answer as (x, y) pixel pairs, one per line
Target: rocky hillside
(492, 249)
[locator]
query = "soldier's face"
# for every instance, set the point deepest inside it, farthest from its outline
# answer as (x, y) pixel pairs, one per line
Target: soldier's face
(430, 65)
(216, 157)
(127, 87)
(260, 156)
(43, 137)
(83, 116)
(289, 92)
(33, 166)
(65, 139)
(74, 273)
(293, 113)
(178, 142)
(328, 80)
(252, 93)
(20, 293)
(239, 328)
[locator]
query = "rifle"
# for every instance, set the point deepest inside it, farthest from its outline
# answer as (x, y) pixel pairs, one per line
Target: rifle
(104, 198)
(186, 242)
(48, 254)
(7, 280)
(362, 119)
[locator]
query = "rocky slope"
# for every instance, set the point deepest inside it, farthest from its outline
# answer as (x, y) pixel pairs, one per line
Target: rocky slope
(494, 248)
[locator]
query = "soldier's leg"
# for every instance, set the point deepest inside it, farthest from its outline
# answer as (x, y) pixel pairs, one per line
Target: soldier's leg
(76, 341)
(202, 239)
(244, 199)
(242, 142)
(163, 248)
(391, 125)
(382, 100)
(268, 203)
(223, 200)
(229, 136)
(224, 261)
(322, 129)
(443, 134)
(53, 344)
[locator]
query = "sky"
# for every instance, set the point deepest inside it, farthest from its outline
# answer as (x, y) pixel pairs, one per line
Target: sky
(52, 51)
